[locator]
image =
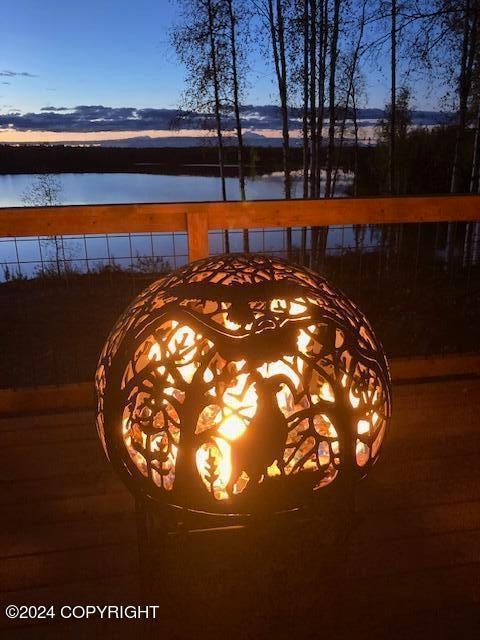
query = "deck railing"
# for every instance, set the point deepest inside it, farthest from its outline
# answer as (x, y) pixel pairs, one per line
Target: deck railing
(197, 219)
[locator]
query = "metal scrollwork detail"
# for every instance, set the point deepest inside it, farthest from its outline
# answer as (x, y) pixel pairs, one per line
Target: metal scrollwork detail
(240, 379)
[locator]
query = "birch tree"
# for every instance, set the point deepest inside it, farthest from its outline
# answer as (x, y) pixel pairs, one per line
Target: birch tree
(45, 191)
(272, 14)
(352, 83)
(237, 15)
(331, 97)
(393, 96)
(469, 15)
(200, 43)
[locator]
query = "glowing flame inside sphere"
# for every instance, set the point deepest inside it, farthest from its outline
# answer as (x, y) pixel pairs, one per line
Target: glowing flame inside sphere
(241, 380)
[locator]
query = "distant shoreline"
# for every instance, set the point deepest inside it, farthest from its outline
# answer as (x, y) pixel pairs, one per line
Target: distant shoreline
(193, 161)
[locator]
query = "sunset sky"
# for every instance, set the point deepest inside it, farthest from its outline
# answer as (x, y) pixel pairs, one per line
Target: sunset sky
(61, 55)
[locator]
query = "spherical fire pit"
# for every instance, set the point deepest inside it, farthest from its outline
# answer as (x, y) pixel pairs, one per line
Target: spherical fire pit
(241, 384)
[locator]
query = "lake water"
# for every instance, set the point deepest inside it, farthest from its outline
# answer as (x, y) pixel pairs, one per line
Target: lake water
(30, 255)
(115, 188)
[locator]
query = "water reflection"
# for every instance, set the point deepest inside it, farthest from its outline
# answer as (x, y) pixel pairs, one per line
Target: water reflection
(116, 188)
(151, 251)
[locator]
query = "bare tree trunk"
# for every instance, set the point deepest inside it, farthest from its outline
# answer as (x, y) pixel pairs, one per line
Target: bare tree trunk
(331, 99)
(463, 90)
(472, 227)
(278, 45)
(313, 88)
(236, 108)
(465, 84)
(322, 57)
(350, 90)
(322, 53)
(306, 150)
(218, 121)
(285, 132)
(340, 148)
(306, 154)
(393, 101)
(474, 183)
(284, 100)
(355, 147)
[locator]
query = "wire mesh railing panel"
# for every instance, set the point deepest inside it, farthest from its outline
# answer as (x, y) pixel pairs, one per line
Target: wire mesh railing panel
(419, 284)
(61, 295)
(38, 256)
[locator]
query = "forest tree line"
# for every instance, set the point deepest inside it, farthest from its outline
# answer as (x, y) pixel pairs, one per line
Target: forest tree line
(319, 53)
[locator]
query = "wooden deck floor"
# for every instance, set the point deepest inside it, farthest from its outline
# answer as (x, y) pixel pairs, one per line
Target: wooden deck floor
(410, 569)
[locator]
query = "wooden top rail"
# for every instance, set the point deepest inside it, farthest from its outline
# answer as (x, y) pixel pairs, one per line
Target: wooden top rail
(198, 217)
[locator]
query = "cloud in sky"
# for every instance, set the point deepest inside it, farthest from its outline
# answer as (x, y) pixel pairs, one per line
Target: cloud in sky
(87, 118)
(55, 109)
(94, 118)
(12, 74)
(96, 122)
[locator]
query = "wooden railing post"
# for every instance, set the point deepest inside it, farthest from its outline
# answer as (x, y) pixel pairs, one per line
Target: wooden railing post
(197, 230)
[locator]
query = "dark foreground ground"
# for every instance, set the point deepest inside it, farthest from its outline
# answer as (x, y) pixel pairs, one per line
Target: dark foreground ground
(409, 568)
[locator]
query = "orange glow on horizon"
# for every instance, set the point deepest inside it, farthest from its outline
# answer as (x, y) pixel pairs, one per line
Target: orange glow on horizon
(14, 136)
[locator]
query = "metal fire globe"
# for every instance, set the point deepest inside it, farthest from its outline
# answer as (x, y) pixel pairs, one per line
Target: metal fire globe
(241, 383)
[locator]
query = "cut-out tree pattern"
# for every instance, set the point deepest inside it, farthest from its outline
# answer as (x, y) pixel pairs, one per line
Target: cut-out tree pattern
(239, 373)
